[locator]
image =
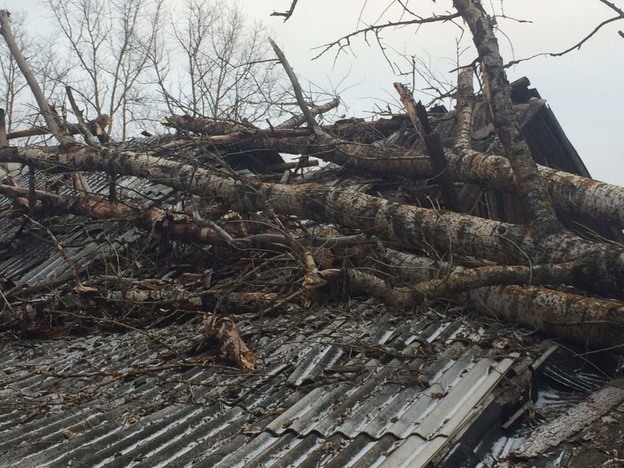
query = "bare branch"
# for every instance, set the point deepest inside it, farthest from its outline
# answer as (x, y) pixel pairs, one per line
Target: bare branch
(569, 49)
(615, 8)
(345, 41)
(91, 140)
(312, 123)
(287, 14)
(297, 120)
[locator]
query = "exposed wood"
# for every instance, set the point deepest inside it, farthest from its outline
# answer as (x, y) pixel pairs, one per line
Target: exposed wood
(3, 133)
(201, 126)
(440, 165)
(563, 428)
(435, 149)
(223, 330)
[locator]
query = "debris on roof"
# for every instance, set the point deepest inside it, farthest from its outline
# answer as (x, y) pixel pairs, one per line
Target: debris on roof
(216, 296)
(352, 385)
(366, 388)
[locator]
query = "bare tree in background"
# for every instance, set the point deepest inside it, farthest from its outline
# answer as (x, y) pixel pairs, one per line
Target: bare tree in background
(13, 84)
(108, 45)
(226, 71)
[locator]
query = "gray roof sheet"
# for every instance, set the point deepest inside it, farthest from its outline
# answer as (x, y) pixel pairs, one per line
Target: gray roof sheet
(352, 393)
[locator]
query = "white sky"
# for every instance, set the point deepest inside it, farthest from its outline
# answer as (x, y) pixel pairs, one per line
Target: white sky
(583, 88)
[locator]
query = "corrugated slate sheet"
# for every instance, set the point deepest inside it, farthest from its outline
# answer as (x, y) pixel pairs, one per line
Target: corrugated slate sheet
(29, 257)
(364, 389)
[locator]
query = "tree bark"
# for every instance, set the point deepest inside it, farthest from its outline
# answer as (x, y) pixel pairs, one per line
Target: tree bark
(596, 323)
(571, 193)
(498, 94)
(401, 225)
(491, 265)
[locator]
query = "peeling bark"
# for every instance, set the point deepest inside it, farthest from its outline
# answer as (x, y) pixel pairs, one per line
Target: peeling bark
(595, 322)
(232, 348)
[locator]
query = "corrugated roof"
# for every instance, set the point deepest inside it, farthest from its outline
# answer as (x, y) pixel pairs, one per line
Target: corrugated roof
(351, 395)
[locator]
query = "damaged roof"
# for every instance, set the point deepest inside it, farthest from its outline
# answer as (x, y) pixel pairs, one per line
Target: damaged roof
(351, 385)
(366, 389)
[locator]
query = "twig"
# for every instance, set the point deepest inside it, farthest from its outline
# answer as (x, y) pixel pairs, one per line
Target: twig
(569, 49)
(375, 28)
(286, 14)
(7, 302)
(128, 327)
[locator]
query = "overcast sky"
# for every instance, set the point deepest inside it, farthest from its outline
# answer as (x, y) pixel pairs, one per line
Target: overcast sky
(583, 88)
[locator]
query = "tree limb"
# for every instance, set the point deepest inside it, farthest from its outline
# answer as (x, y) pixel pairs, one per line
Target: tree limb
(50, 117)
(498, 93)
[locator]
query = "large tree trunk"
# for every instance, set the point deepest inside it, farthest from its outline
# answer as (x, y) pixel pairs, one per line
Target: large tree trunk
(401, 225)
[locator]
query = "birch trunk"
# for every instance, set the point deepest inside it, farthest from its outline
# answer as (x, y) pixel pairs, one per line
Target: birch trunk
(446, 233)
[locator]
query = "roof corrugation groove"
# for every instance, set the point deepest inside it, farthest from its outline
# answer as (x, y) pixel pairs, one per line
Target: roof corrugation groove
(124, 443)
(9, 419)
(133, 437)
(57, 454)
(30, 449)
(223, 439)
(43, 261)
(362, 452)
(317, 359)
(305, 451)
(267, 398)
(361, 408)
(33, 432)
(306, 413)
(39, 262)
(412, 452)
(207, 454)
(205, 432)
(260, 451)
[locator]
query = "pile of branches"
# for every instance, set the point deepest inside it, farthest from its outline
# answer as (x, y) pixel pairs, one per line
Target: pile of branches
(341, 234)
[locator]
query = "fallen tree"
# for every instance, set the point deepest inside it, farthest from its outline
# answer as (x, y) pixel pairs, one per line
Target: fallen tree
(347, 238)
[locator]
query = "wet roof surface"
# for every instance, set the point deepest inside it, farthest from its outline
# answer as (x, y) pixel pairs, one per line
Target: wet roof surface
(375, 391)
